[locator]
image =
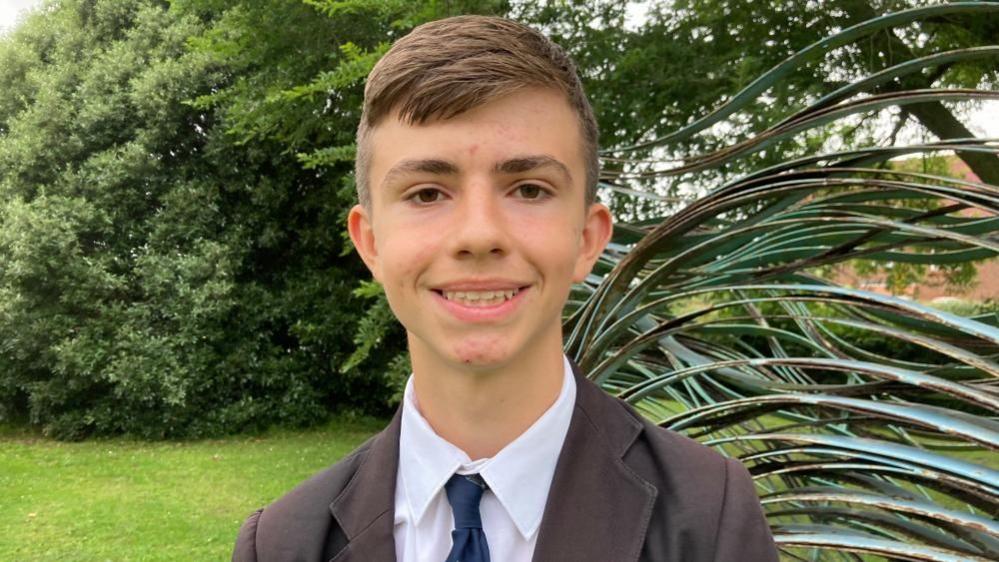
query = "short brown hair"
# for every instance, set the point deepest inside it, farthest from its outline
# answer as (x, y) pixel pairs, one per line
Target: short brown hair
(446, 67)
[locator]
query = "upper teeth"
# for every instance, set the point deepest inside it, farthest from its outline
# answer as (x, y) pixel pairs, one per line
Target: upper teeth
(476, 296)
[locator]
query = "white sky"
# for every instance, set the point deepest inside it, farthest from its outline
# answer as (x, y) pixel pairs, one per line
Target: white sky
(11, 9)
(985, 121)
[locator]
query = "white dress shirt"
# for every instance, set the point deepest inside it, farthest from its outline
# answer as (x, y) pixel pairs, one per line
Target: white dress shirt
(519, 477)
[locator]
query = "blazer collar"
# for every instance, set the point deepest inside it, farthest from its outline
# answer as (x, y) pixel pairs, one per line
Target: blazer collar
(598, 508)
(593, 496)
(365, 509)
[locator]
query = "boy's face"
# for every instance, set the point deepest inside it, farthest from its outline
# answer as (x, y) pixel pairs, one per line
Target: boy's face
(478, 227)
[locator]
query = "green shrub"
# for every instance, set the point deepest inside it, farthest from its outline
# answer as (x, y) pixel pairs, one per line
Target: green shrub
(160, 275)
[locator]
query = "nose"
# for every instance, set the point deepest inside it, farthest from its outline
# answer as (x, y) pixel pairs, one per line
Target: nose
(480, 228)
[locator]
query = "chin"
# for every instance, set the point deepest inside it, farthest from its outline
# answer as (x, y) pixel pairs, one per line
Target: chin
(478, 354)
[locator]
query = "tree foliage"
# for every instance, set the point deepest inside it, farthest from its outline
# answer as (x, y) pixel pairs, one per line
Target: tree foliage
(115, 280)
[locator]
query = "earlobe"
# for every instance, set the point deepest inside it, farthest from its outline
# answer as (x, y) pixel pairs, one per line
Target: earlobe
(597, 232)
(363, 236)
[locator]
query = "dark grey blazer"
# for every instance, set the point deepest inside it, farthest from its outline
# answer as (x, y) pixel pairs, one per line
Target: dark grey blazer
(624, 490)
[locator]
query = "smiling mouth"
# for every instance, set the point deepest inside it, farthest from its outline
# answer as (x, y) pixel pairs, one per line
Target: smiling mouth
(479, 299)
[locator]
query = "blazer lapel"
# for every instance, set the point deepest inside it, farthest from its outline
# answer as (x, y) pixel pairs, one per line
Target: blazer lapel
(365, 509)
(598, 508)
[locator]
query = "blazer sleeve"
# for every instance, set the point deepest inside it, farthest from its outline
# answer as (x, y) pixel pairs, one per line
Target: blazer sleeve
(743, 532)
(246, 542)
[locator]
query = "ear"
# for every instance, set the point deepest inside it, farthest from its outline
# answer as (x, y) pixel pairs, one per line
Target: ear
(363, 236)
(596, 234)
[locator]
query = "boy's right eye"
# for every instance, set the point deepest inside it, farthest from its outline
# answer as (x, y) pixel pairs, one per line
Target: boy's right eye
(426, 195)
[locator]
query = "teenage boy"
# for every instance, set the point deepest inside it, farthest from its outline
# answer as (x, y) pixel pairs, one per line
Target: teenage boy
(476, 173)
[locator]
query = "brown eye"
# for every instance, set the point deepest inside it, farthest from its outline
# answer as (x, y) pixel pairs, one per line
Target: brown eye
(427, 195)
(530, 191)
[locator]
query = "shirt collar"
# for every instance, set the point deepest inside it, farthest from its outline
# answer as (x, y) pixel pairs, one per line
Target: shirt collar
(520, 475)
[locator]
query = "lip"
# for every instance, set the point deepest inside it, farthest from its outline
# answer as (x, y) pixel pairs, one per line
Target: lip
(478, 314)
(482, 285)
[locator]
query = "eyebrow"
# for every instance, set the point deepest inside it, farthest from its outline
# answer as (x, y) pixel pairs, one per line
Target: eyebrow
(523, 164)
(517, 165)
(426, 166)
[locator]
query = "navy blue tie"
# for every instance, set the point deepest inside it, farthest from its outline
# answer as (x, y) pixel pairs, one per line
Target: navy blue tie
(468, 541)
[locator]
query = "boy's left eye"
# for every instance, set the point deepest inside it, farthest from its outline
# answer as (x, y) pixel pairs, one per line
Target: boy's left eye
(531, 191)
(426, 195)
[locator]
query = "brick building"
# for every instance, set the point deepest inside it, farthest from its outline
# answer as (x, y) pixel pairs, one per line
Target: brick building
(934, 286)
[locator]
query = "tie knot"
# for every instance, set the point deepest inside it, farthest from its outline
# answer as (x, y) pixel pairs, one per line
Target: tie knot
(464, 493)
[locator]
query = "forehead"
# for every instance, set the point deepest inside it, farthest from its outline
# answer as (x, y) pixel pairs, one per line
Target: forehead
(532, 121)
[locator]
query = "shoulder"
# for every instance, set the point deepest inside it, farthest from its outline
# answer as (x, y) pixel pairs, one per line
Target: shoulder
(657, 451)
(676, 450)
(322, 488)
(695, 475)
(706, 500)
(676, 462)
(643, 445)
(299, 518)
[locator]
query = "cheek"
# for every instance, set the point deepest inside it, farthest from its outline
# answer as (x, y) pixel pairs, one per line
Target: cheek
(405, 259)
(553, 247)
(557, 270)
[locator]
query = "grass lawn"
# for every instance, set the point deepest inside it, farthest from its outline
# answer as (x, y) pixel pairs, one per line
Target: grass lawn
(131, 500)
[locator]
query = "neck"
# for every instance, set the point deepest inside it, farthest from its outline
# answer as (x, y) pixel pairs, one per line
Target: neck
(481, 410)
